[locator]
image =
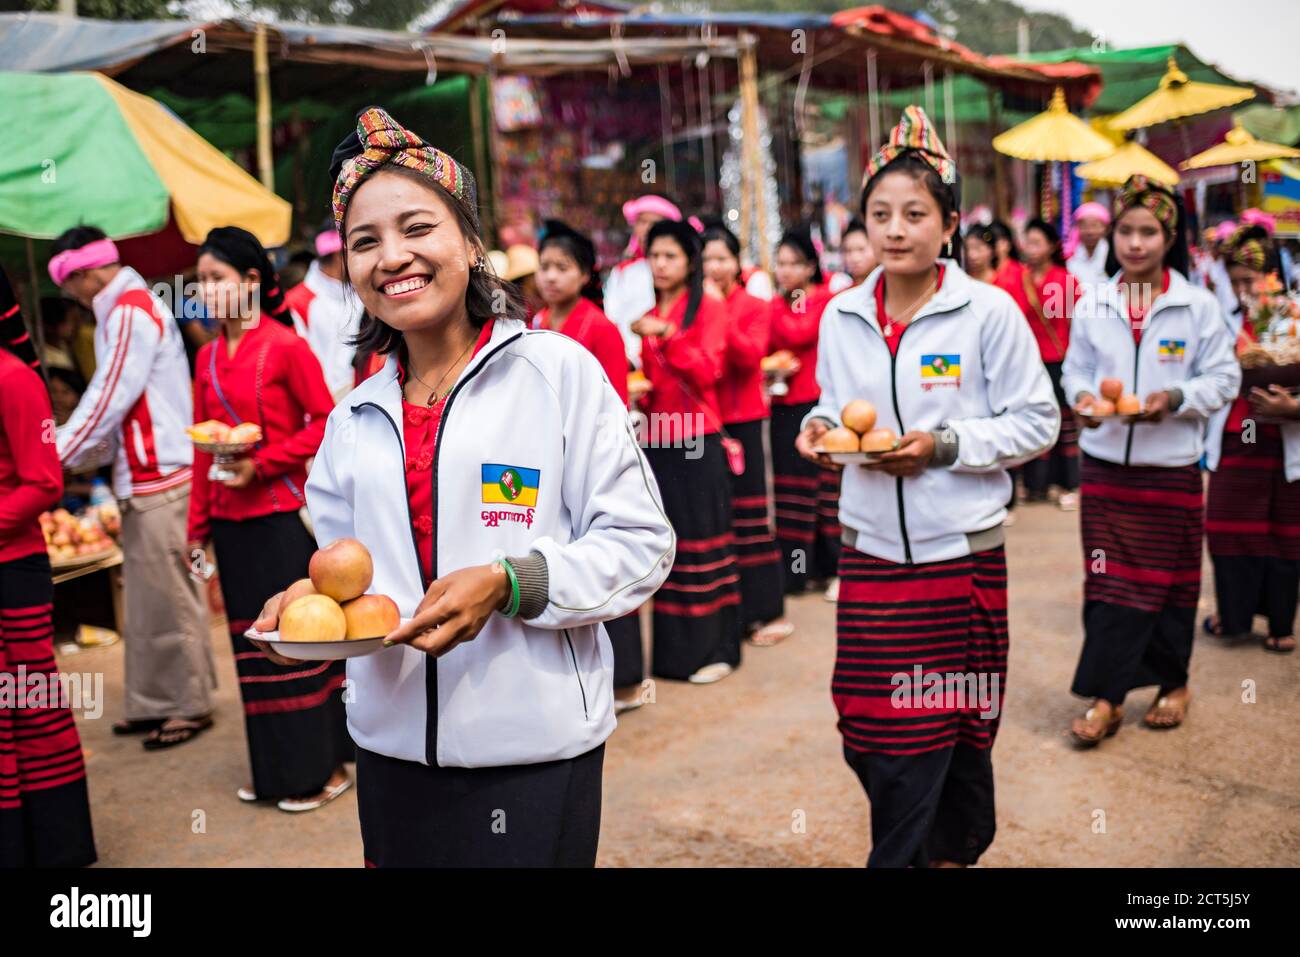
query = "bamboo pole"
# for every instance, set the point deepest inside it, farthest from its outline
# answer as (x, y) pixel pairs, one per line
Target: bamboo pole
(36, 327)
(1000, 207)
(262, 81)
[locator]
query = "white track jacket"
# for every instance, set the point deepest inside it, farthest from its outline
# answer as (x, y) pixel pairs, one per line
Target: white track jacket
(522, 692)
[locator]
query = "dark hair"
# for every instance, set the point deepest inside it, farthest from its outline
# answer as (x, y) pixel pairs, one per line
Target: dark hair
(987, 236)
(578, 248)
(716, 232)
(1002, 231)
(1177, 257)
(1051, 235)
(242, 251)
(947, 195)
(799, 238)
(856, 225)
(685, 236)
(68, 377)
(484, 291)
(75, 238)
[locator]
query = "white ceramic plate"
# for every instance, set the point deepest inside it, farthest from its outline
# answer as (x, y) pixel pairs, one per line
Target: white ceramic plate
(854, 458)
(319, 650)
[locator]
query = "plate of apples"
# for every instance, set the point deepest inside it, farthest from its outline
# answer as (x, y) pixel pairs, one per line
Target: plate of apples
(1114, 403)
(328, 615)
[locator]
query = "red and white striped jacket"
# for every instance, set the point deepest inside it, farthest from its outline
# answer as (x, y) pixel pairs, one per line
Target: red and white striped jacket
(139, 400)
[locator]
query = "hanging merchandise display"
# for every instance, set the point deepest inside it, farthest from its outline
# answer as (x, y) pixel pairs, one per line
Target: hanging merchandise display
(731, 180)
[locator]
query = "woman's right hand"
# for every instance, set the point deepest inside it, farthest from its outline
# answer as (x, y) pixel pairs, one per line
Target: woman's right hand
(807, 440)
(269, 620)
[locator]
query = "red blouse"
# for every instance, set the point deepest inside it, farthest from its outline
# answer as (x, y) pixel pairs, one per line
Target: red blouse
(893, 332)
(1137, 317)
(1057, 294)
(420, 434)
(31, 479)
(274, 380)
(740, 393)
(685, 369)
(797, 331)
(591, 327)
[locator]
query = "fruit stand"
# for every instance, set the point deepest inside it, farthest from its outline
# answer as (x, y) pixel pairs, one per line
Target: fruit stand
(82, 545)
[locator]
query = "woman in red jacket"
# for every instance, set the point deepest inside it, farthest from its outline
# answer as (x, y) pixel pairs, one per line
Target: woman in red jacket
(568, 283)
(44, 807)
(1046, 292)
(744, 413)
(259, 370)
(683, 349)
(807, 495)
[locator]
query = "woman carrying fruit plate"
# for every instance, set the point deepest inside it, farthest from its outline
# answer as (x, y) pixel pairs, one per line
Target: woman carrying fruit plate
(1253, 502)
(492, 476)
(1150, 359)
(924, 351)
(260, 378)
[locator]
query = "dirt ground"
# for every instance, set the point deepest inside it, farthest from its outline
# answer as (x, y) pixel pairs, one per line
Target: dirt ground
(749, 772)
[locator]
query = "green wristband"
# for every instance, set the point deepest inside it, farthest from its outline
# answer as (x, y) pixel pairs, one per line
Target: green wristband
(512, 609)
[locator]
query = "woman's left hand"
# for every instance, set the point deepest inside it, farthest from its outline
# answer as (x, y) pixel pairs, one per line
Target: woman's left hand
(245, 473)
(454, 609)
(914, 452)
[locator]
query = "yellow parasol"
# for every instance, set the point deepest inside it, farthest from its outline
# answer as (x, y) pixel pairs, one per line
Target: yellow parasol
(1178, 97)
(1055, 135)
(1239, 146)
(1130, 158)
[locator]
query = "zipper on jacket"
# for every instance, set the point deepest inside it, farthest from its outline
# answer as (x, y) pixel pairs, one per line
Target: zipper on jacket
(898, 480)
(401, 444)
(1137, 350)
(578, 674)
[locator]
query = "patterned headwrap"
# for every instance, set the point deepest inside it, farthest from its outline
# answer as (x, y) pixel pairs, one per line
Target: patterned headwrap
(1143, 191)
(914, 133)
(1245, 249)
(379, 140)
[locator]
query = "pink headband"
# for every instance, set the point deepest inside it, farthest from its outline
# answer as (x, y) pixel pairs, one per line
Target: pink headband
(1224, 230)
(101, 252)
(1257, 217)
(328, 243)
(1093, 211)
(650, 204)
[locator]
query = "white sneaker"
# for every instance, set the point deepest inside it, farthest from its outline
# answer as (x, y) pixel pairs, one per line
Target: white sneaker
(833, 590)
(1068, 502)
(711, 673)
(631, 704)
(247, 795)
(296, 805)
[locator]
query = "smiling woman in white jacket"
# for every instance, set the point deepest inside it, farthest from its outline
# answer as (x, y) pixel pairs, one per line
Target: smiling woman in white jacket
(1157, 337)
(482, 455)
(921, 622)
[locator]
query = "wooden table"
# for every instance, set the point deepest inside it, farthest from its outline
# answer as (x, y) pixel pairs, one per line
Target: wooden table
(111, 563)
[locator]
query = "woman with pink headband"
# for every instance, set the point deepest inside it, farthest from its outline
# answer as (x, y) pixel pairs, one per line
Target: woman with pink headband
(1087, 246)
(630, 290)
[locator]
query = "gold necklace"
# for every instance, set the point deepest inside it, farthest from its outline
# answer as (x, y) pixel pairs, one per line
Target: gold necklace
(889, 326)
(433, 390)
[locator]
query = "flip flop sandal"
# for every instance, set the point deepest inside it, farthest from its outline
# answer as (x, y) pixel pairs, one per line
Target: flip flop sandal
(1163, 703)
(1274, 645)
(771, 634)
(141, 726)
(1210, 628)
(175, 736)
(298, 805)
(1109, 730)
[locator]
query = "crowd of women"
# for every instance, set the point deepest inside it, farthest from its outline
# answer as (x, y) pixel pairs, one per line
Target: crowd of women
(667, 429)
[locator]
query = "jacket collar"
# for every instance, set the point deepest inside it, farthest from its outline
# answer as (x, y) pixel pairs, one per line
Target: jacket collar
(106, 298)
(383, 390)
(1179, 293)
(955, 293)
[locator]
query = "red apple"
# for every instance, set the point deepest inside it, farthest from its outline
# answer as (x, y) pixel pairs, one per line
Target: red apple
(1111, 389)
(371, 616)
(342, 569)
(313, 618)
